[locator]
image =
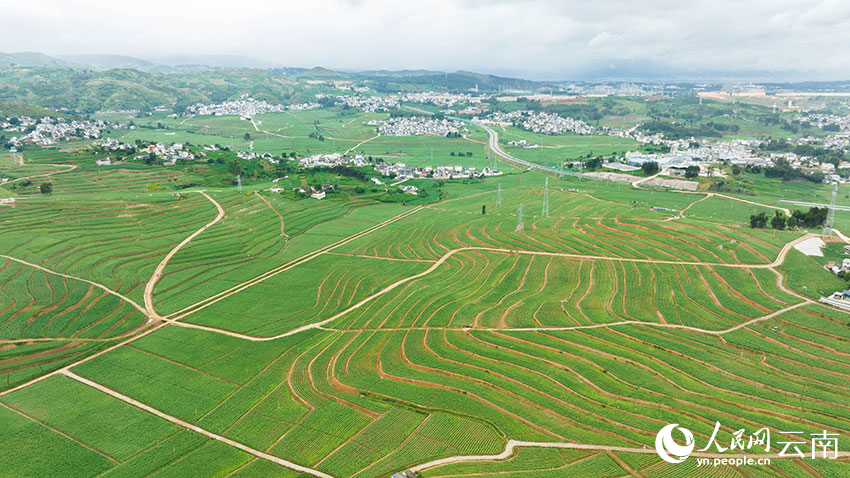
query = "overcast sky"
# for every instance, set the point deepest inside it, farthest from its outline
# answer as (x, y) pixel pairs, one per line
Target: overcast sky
(535, 39)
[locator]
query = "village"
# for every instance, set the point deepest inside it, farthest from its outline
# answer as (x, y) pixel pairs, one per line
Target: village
(47, 130)
(245, 107)
(418, 126)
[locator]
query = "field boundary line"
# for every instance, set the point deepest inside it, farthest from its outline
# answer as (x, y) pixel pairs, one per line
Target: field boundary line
(320, 324)
(87, 281)
(186, 311)
(70, 167)
(61, 432)
(156, 327)
(361, 144)
(133, 338)
(282, 233)
(366, 256)
(157, 273)
(195, 428)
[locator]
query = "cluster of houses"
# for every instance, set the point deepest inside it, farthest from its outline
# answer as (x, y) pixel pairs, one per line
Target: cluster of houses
(844, 266)
(386, 103)
(402, 171)
(251, 155)
(168, 153)
(839, 299)
(521, 143)
(539, 122)
(331, 160)
(683, 154)
(367, 103)
(618, 89)
(820, 120)
(47, 130)
(417, 126)
(245, 107)
(443, 100)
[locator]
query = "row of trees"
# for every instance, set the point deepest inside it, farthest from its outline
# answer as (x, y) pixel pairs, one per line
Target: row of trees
(814, 217)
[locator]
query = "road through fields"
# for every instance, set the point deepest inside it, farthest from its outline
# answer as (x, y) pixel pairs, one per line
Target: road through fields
(320, 324)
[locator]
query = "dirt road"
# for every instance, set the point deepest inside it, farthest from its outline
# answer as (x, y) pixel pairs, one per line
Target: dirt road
(195, 428)
(157, 273)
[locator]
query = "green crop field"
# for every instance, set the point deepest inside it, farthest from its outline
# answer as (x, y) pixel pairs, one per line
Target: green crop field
(160, 321)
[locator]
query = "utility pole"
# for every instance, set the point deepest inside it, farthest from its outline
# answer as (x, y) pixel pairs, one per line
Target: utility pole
(499, 195)
(239, 182)
(519, 225)
(546, 198)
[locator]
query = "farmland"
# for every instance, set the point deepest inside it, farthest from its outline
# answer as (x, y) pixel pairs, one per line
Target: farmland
(151, 329)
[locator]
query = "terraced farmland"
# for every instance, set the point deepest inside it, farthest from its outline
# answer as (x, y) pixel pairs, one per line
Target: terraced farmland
(230, 334)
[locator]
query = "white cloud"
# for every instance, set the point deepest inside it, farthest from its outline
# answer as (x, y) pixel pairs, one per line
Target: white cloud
(538, 37)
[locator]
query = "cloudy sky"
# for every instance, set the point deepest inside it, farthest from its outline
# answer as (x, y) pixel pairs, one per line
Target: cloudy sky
(536, 39)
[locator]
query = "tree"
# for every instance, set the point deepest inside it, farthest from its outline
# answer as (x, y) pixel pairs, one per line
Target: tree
(692, 171)
(814, 217)
(649, 168)
(778, 221)
(791, 222)
(758, 221)
(247, 136)
(46, 188)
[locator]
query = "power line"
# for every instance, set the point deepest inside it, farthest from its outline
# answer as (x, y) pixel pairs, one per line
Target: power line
(546, 198)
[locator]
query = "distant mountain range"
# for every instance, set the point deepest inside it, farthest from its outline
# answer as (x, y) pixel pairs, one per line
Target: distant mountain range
(206, 63)
(87, 83)
(618, 70)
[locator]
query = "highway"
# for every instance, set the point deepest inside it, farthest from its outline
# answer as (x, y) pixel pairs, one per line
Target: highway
(494, 145)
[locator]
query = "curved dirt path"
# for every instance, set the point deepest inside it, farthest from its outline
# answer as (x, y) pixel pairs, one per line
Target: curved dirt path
(148, 310)
(513, 444)
(360, 144)
(186, 311)
(95, 284)
(157, 274)
(282, 232)
(435, 265)
(195, 428)
(70, 167)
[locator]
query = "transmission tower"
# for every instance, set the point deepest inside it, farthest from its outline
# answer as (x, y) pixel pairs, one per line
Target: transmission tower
(830, 216)
(546, 198)
(519, 225)
(239, 182)
(499, 195)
